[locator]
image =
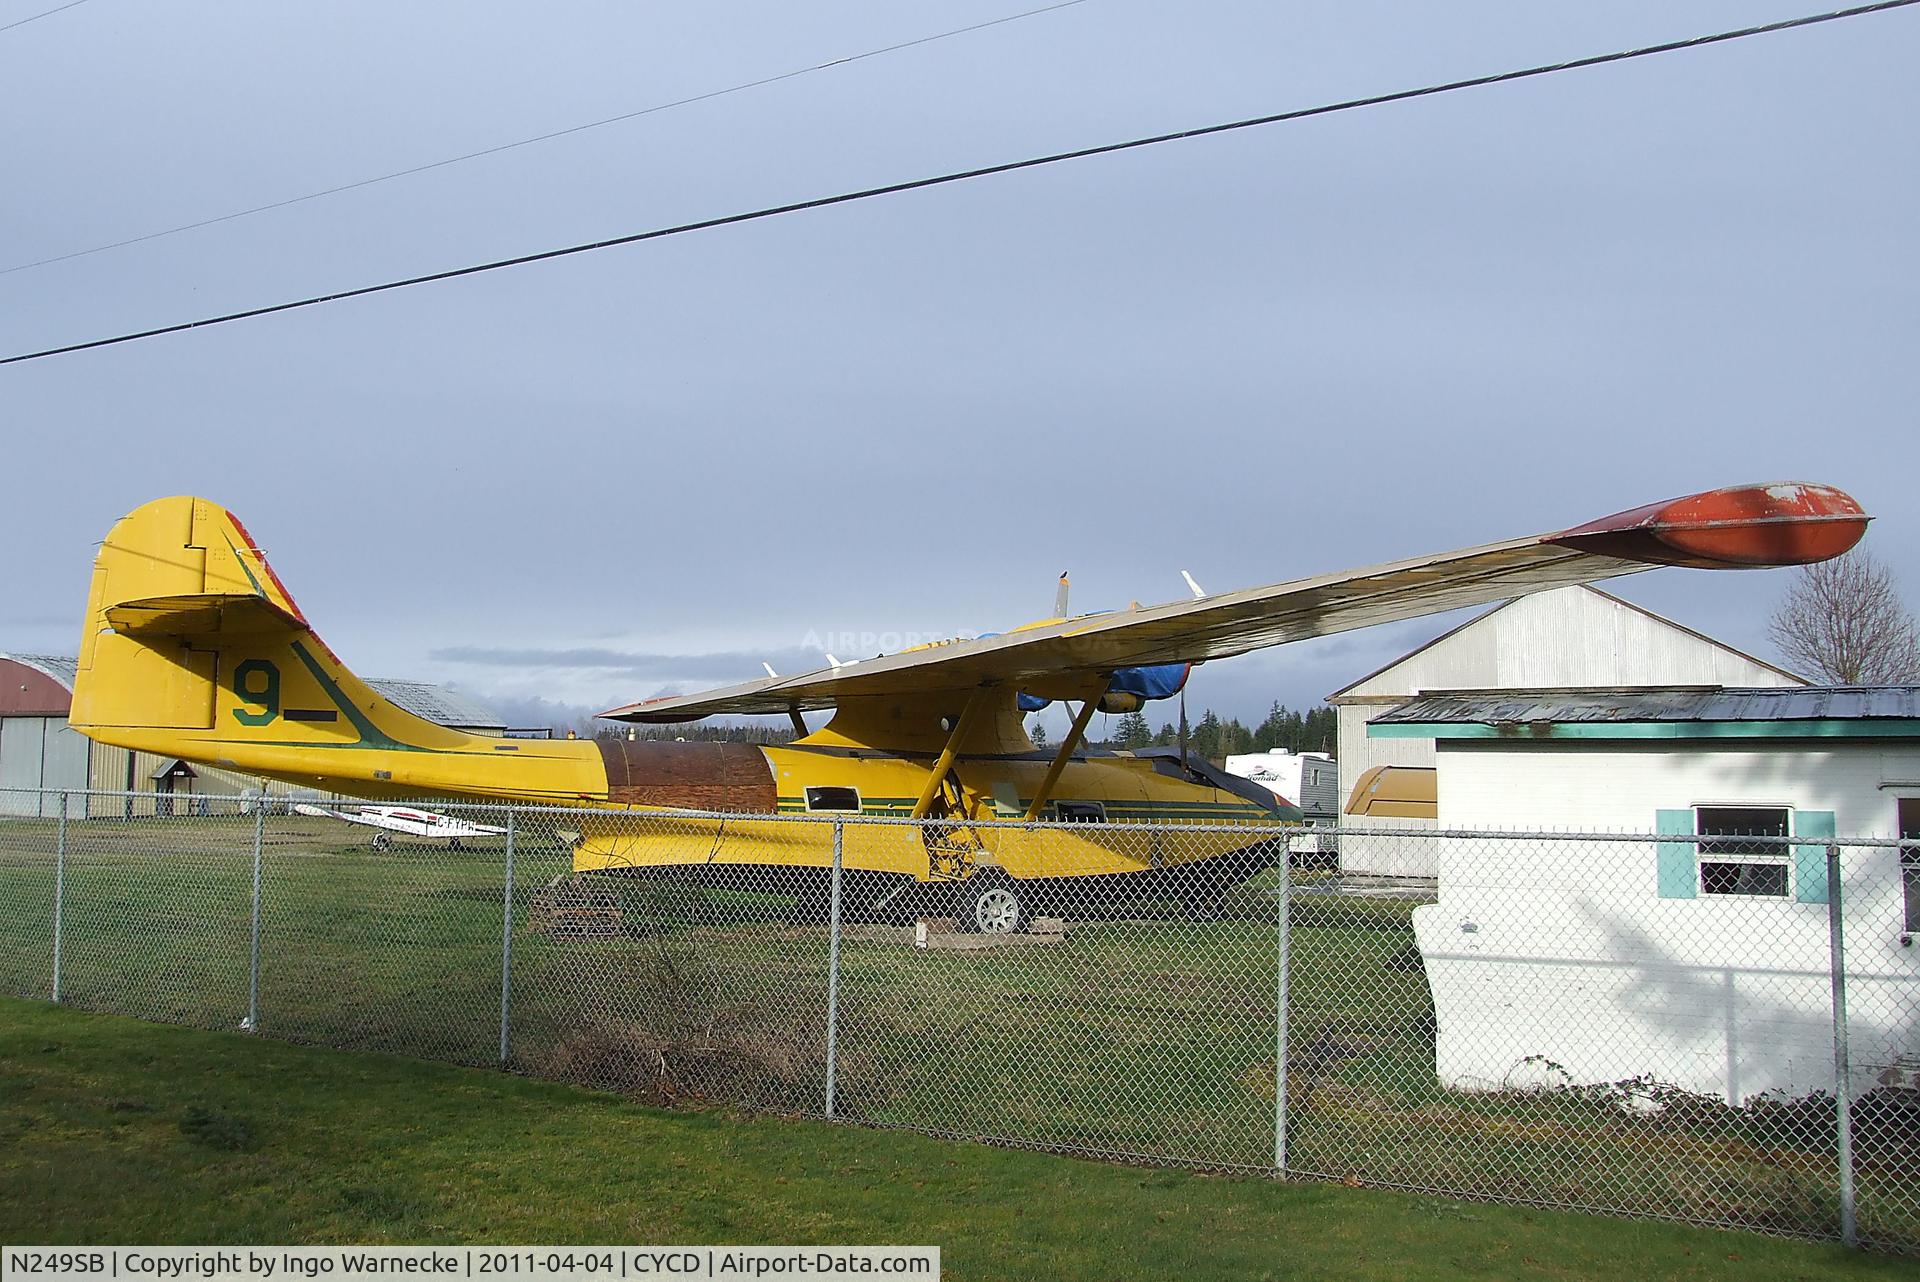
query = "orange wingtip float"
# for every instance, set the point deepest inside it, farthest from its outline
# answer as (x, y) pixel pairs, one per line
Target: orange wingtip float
(1740, 527)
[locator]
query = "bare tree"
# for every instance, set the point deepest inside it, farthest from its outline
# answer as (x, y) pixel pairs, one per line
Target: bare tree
(1843, 622)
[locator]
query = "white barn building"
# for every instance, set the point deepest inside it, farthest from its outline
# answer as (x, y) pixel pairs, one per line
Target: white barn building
(1576, 638)
(1699, 960)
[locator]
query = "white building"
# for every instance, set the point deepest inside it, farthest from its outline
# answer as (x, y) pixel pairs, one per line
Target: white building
(1568, 638)
(1699, 960)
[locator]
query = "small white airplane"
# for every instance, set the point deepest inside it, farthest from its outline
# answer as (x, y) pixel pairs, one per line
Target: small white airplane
(404, 819)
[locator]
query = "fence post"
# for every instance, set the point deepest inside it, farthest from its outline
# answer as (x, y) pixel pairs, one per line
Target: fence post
(253, 946)
(59, 894)
(1283, 948)
(506, 938)
(1842, 1059)
(833, 966)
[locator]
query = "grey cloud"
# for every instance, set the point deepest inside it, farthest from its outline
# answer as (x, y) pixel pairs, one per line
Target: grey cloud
(718, 665)
(523, 712)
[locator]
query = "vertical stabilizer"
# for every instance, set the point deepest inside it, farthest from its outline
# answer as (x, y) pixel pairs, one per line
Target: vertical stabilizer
(194, 648)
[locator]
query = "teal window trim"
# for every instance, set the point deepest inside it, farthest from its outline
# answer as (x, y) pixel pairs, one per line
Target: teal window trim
(1677, 866)
(1677, 862)
(1810, 859)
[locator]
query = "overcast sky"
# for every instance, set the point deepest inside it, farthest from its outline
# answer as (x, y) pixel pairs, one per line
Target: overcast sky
(1257, 356)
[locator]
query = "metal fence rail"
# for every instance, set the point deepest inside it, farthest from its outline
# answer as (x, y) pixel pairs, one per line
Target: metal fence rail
(1721, 1033)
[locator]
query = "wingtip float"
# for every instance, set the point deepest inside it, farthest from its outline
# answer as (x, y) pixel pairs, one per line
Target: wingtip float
(1740, 527)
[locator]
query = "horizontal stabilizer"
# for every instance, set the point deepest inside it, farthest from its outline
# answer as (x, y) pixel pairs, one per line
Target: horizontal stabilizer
(194, 649)
(202, 615)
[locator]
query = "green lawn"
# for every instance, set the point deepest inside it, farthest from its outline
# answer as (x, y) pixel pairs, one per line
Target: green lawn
(1148, 1037)
(113, 1130)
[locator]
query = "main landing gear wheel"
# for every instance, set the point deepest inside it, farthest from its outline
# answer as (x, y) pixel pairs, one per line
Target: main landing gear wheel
(991, 903)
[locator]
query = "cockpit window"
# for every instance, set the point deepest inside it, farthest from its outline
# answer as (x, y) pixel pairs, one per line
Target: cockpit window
(833, 798)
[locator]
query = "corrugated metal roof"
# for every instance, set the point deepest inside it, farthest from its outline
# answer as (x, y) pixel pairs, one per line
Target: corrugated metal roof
(1787, 703)
(438, 703)
(59, 667)
(422, 698)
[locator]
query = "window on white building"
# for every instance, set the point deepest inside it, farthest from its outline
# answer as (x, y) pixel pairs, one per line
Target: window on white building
(1731, 861)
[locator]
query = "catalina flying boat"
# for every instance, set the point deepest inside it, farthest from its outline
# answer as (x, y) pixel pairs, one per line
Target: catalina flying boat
(193, 648)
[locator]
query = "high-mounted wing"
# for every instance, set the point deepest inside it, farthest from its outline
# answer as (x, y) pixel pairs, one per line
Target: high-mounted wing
(1743, 527)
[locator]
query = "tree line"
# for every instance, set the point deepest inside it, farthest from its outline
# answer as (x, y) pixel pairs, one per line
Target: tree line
(1212, 736)
(1215, 737)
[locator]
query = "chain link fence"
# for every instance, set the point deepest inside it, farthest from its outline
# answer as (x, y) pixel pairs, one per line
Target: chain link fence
(1722, 1032)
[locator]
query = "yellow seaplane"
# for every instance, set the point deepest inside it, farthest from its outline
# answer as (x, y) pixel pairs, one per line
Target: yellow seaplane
(195, 649)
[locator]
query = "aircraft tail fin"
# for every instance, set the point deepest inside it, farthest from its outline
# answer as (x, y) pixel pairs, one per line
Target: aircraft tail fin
(194, 647)
(175, 581)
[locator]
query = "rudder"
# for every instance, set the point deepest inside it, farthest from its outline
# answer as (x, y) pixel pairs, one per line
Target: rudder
(174, 579)
(195, 649)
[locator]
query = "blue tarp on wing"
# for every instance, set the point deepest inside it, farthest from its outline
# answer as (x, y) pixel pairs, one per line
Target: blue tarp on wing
(1160, 681)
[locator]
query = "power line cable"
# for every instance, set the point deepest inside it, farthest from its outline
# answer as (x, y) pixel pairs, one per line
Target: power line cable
(536, 138)
(46, 13)
(917, 184)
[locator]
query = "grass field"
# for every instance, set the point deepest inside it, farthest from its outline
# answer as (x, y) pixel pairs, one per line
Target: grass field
(113, 1130)
(1149, 1036)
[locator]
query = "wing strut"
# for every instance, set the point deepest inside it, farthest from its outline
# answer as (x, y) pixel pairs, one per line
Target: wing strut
(971, 713)
(1067, 745)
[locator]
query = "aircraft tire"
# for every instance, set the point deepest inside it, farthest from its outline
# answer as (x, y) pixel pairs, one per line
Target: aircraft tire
(381, 841)
(992, 903)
